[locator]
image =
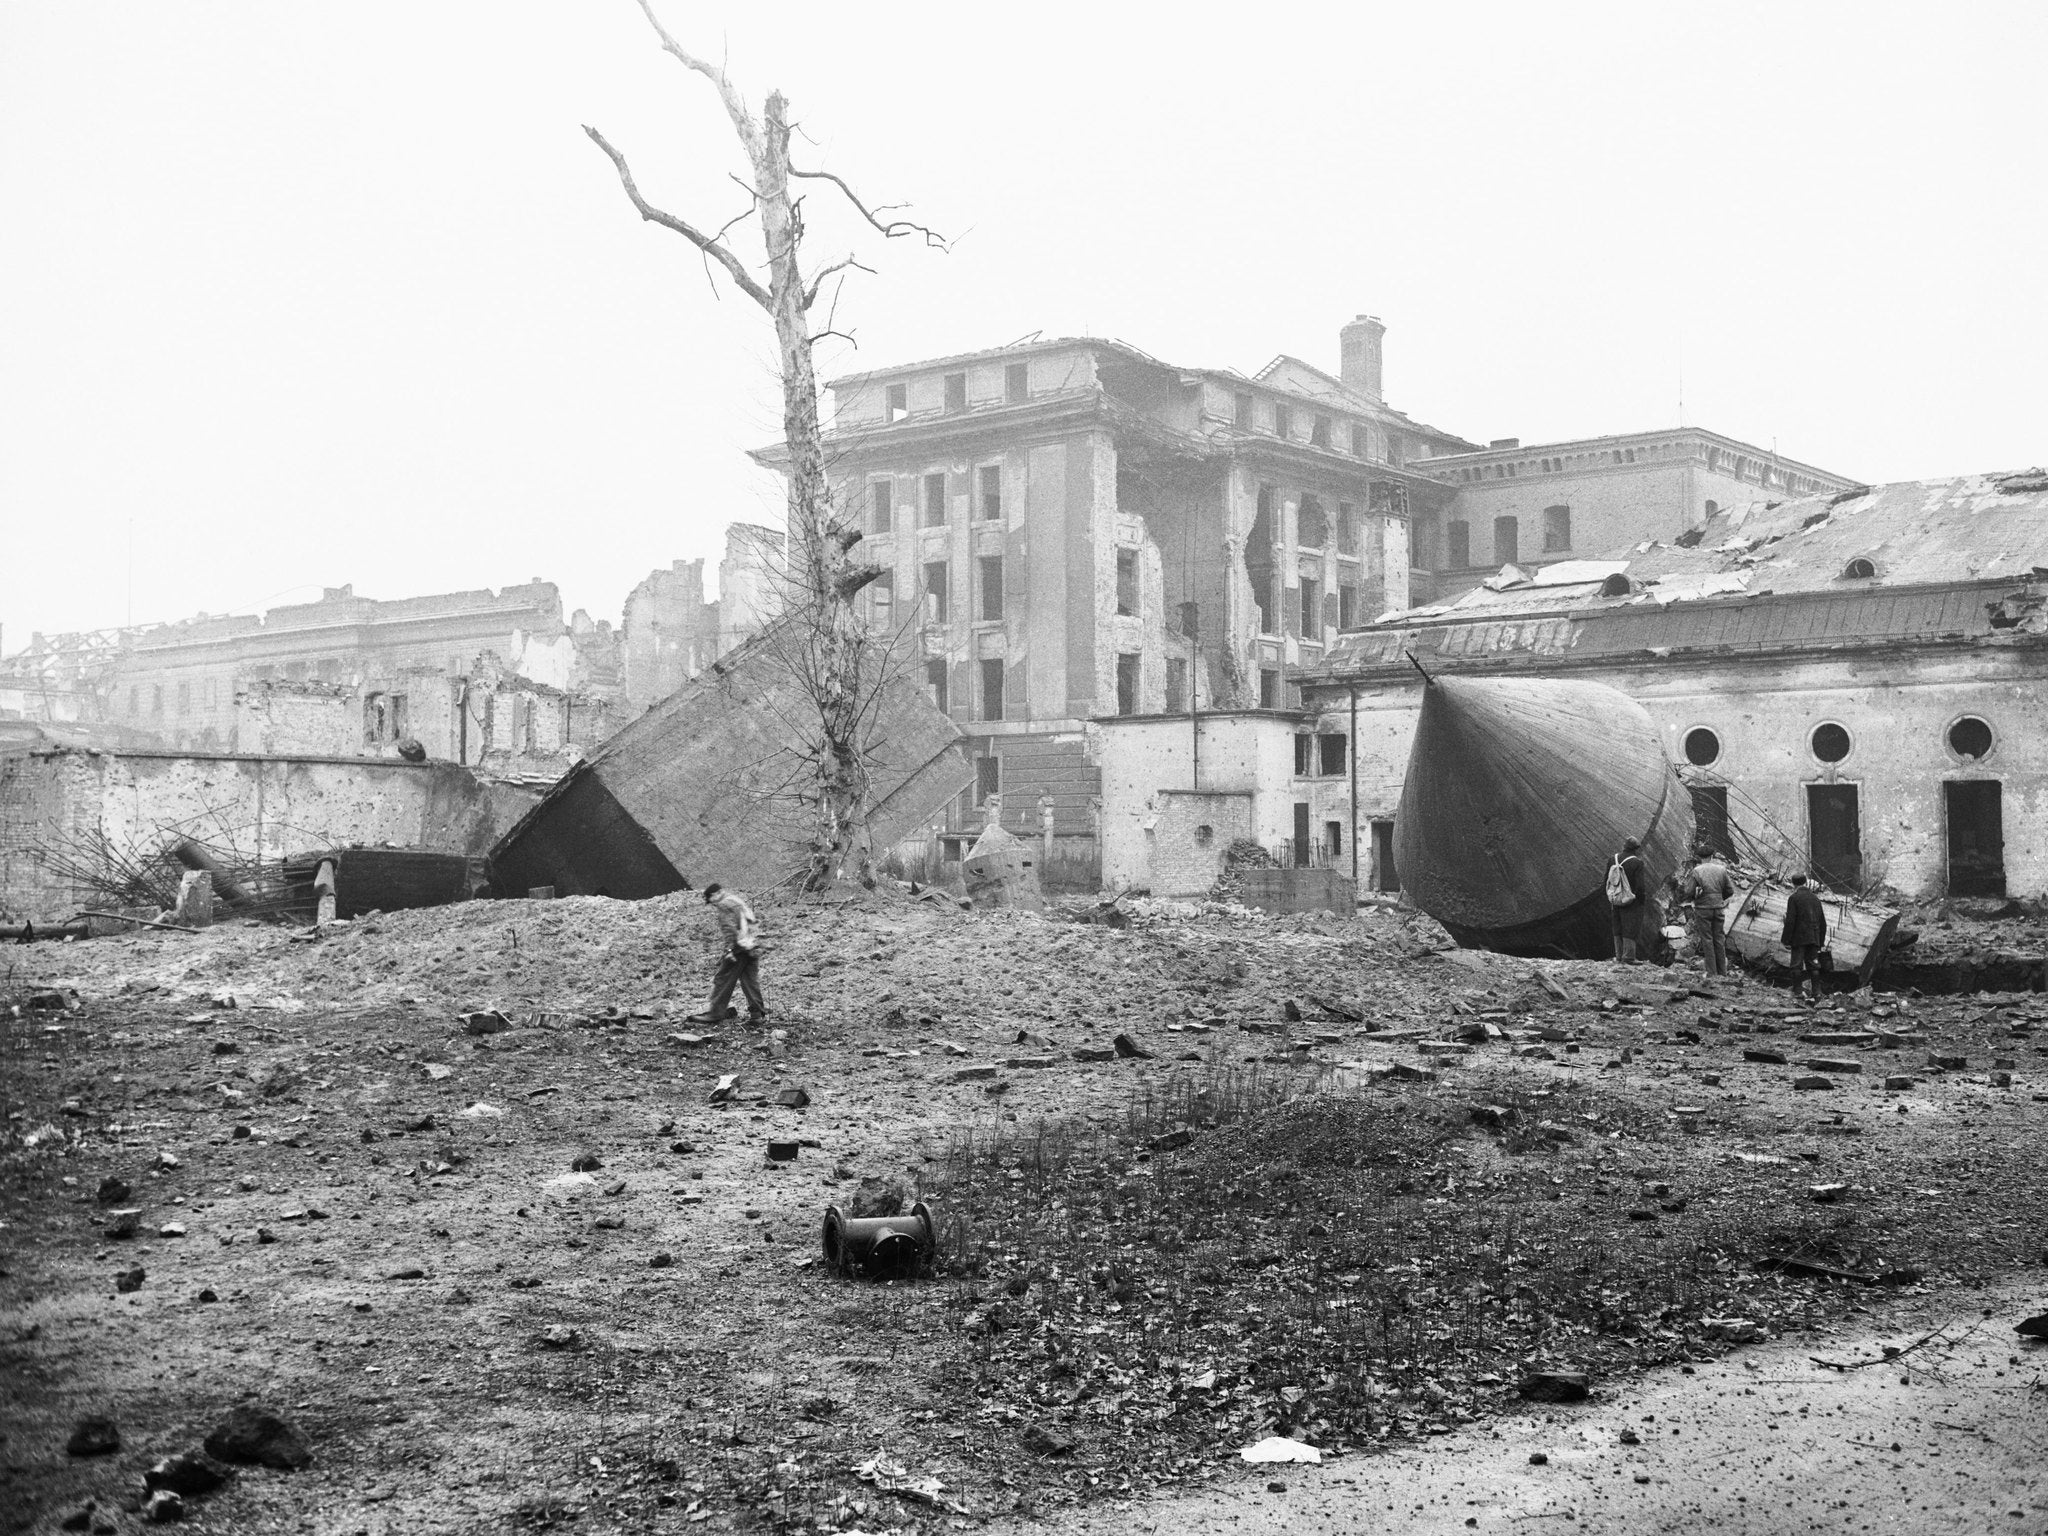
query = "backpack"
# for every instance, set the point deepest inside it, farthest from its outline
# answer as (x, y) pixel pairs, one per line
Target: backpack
(1619, 892)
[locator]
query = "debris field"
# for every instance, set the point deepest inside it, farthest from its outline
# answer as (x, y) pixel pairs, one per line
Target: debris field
(462, 1203)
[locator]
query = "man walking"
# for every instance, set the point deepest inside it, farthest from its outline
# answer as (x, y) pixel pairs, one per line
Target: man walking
(1806, 931)
(1628, 881)
(741, 965)
(1710, 889)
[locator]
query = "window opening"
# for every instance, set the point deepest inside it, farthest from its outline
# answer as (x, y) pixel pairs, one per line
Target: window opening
(1283, 421)
(988, 778)
(1311, 608)
(956, 391)
(1304, 754)
(935, 684)
(1126, 581)
(1333, 839)
(935, 501)
(935, 594)
(1242, 406)
(1457, 544)
(1361, 443)
(991, 491)
(1969, 738)
(1126, 683)
(898, 403)
(1830, 742)
(1702, 747)
(1312, 523)
(1319, 432)
(1017, 382)
(1301, 843)
(1347, 607)
(1330, 752)
(991, 587)
(992, 688)
(1269, 688)
(1176, 685)
(1557, 529)
(1506, 541)
(881, 508)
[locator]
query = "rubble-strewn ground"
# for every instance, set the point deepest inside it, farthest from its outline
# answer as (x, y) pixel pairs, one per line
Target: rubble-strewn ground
(1145, 1263)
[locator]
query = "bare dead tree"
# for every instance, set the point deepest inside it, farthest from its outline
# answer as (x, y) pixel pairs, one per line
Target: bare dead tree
(823, 574)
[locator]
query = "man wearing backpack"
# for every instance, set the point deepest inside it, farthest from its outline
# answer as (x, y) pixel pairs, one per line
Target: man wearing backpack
(1628, 882)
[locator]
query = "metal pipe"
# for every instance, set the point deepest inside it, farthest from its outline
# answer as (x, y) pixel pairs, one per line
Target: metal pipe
(879, 1245)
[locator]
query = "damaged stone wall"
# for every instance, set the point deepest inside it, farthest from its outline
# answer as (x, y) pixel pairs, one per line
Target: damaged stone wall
(265, 807)
(1896, 710)
(1143, 762)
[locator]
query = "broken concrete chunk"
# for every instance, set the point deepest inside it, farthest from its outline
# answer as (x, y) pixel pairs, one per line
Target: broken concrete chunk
(485, 1021)
(728, 1089)
(113, 1190)
(1555, 1387)
(1813, 1084)
(122, 1223)
(163, 1508)
(1897, 1081)
(1410, 1074)
(974, 1074)
(1019, 1063)
(256, 1435)
(93, 1437)
(1826, 1194)
(793, 1098)
(1094, 1053)
(1824, 1064)
(1769, 1058)
(193, 1476)
(1949, 1063)
(1129, 1049)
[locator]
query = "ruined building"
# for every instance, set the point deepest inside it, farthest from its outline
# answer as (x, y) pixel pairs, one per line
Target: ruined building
(498, 681)
(1073, 529)
(1850, 681)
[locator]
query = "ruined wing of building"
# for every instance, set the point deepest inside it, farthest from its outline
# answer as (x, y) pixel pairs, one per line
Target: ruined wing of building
(498, 681)
(1851, 682)
(1072, 530)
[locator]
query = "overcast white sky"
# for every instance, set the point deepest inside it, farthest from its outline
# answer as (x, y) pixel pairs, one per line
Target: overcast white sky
(315, 293)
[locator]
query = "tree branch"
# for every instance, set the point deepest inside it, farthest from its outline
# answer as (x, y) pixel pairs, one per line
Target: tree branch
(705, 243)
(744, 121)
(817, 282)
(893, 227)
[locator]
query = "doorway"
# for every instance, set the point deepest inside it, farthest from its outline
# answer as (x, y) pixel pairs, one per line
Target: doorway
(1976, 837)
(1835, 832)
(1385, 877)
(1301, 843)
(1710, 819)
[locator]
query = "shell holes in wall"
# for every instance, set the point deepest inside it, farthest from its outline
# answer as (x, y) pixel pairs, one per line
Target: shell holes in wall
(1859, 569)
(1970, 738)
(1702, 747)
(1830, 742)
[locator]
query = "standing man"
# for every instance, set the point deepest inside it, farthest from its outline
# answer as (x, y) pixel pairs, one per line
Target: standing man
(1628, 881)
(742, 962)
(1710, 888)
(1806, 931)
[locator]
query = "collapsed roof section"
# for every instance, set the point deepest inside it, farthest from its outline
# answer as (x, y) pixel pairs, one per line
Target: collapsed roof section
(1919, 561)
(709, 785)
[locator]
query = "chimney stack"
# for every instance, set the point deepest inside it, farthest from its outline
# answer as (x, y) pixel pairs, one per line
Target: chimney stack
(1360, 349)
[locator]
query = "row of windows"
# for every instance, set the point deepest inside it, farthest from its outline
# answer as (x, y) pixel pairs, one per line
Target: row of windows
(1512, 471)
(1507, 538)
(1969, 738)
(1319, 610)
(1016, 390)
(931, 508)
(994, 690)
(1280, 420)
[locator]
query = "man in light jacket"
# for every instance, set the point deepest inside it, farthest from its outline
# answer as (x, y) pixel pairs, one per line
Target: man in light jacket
(742, 962)
(1709, 888)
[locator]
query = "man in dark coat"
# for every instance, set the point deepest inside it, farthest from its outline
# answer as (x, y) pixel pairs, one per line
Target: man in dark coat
(1806, 933)
(1628, 916)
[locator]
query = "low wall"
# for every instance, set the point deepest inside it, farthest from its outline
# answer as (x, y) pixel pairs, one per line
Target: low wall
(1297, 890)
(257, 807)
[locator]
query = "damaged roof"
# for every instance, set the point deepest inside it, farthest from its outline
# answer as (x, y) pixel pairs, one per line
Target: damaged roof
(1916, 561)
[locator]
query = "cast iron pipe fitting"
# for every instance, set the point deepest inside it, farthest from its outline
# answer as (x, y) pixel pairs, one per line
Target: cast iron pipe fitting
(880, 1246)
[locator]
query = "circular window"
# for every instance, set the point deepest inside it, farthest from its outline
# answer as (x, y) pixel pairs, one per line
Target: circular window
(1830, 742)
(1969, 738)
(1702, 747)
